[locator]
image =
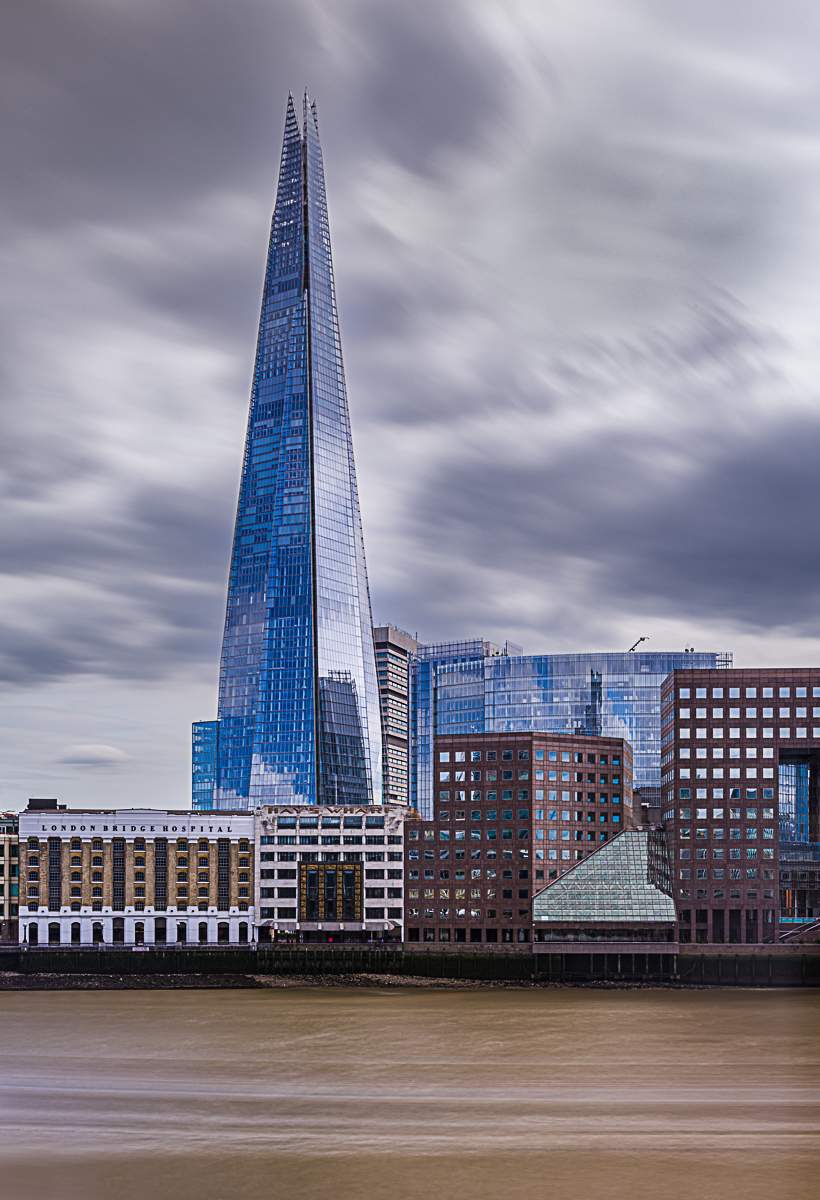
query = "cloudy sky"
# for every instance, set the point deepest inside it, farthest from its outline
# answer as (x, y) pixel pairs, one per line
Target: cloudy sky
(577, 252)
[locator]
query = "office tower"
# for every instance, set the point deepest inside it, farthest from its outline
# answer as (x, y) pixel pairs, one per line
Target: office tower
(471, 687)
(298, 719)
(394, 650)
(512, 811)
(741, 781)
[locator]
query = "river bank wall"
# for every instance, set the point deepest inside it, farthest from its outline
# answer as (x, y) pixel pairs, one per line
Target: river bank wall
(736, 966)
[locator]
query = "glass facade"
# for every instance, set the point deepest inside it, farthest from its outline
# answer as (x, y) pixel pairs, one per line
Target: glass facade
(204, 758)
(298, 718)
(625, 881)
(470, 687)
(794, 801)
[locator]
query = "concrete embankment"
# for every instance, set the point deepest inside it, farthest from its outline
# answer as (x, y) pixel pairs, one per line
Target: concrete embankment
(263, 966)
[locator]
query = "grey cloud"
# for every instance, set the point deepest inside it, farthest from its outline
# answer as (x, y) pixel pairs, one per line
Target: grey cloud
(729, 533)
(140, 105)
(97, 756)
(574, 250)
(433, 81)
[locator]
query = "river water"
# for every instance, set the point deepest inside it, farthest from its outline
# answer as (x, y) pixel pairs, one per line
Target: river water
(392, 1094)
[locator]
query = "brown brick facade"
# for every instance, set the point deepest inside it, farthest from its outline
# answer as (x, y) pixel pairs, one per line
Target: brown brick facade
(511, 812)
(732, 743)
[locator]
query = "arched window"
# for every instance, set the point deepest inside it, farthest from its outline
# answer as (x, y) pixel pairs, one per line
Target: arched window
(97, 931)
(33, 844)
(223, 932)
(139, 933)
(182, 932)
(139, 845)
(243, 931)
(54, 933)
(76, 844)
(203, 845)
(96, 891)
(75, 906)
(203, 931)
(33, 935)
(97, 845)
(75, 933)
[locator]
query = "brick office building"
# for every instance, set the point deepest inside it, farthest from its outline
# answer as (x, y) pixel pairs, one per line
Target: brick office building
(741, 767)
(512, 811)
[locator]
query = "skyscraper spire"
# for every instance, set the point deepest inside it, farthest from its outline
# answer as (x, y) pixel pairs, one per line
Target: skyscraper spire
(298, 719)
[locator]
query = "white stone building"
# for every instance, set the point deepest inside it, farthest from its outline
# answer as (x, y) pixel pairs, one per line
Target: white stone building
(135, 876)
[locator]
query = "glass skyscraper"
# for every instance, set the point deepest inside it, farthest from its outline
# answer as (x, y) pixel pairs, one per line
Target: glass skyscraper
(472, 687)
(298, 719)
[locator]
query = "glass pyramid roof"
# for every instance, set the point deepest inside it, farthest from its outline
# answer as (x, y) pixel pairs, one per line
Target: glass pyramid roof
(620, 882)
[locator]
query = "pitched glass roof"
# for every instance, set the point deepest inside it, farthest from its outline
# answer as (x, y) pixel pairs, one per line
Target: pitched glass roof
(614, 884)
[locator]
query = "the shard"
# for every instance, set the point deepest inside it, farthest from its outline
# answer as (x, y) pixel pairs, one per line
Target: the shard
(298, 717)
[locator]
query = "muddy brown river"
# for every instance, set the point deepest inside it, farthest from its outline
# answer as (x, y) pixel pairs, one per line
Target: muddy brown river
(392, 1094)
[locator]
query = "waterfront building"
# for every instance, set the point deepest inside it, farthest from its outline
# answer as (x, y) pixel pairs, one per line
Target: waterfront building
(474, 687)
(512, 811)
(617, 900)
(330, 874)
(135, 876)
(298, 720)
(394, 650)
(741, 778)
(9, 878)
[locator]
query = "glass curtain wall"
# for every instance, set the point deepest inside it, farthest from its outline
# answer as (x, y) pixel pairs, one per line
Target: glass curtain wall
(298, 718)
(469, 687)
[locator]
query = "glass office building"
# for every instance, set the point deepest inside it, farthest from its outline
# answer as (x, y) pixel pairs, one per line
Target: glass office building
(298, 717)
(472, 687)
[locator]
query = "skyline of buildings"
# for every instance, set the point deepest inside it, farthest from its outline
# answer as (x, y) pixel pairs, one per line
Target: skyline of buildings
(298, 718)
(506, 771)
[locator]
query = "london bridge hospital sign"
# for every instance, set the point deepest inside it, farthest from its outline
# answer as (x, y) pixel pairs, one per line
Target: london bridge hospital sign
(190, 830)
(119, 823)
